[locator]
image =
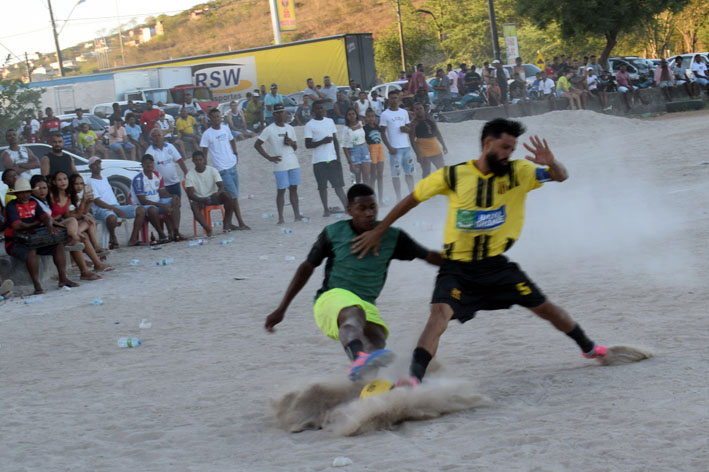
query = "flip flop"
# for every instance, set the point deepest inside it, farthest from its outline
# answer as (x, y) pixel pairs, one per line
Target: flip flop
(242, 228)
(178, 238)
(6, 287)
(336, 210)
(74, 247)
(163, 241)
(112, 246)
(68, 283)
(107, 269)
(38, 292)
(135, 244)
(90, 276)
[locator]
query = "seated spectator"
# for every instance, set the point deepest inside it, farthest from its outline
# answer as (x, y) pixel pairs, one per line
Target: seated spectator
(204, 187)
(25, 214)
(79, 120)
(88, 142)
(69, 138)
(626, 87)
(302, 113)
(237, 123)
(19, 158)
(254, 112)
(340, 108)
(187, 130)
(518, 88)
(664, 79)
(115, 115)
(680, 75)
(494, 93)
(563, 89)
(134, 134)
(148, 190)
(699, 70)
(269, 101)
(118, 139)
(547, 87)
(594, 88)
(9, 178)
(107, 209)
(579, 88)
(40, 192)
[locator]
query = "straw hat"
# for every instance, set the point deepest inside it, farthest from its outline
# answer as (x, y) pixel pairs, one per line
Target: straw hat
(21, 185)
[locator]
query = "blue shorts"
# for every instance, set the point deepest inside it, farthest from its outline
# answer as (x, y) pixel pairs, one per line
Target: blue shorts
(161, 211)
(102, 214)
(287, 178)
(401, 160)
(235, 133)
(174, 189)
(116, 146)
(230, 179)
(702, 82)
(359, 154)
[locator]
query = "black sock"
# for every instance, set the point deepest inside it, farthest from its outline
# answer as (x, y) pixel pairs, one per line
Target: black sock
(419, 363)
(354, 348)
(581, 339)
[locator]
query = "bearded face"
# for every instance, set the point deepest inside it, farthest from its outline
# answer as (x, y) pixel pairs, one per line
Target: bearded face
(498, 166)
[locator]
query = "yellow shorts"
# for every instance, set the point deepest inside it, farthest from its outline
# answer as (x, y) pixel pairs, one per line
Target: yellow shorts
(376, 152)
(328, 306)
(428, 147)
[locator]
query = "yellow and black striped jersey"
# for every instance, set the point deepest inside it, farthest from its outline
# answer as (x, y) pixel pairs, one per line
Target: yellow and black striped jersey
(485, 212)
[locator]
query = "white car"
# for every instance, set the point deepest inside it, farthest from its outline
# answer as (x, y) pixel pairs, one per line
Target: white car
(383, 89)
(119, 173)
(687, 60)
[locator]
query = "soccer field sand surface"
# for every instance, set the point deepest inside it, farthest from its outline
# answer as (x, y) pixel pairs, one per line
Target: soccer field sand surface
(622, 245)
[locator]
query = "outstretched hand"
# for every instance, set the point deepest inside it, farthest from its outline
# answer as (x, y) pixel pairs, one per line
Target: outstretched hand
(542, 155)
(273, 319)
(365, 242)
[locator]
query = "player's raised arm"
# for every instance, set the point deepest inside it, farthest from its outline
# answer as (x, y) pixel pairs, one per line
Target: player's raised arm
(370, 240)
(301, 277)
(543, 156)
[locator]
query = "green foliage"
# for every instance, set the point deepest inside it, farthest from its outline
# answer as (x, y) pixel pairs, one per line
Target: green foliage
(16, 98)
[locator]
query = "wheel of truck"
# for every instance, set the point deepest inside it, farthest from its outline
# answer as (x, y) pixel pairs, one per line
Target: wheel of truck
(121, 188)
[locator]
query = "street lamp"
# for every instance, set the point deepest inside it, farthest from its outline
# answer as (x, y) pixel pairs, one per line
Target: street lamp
(56, 35)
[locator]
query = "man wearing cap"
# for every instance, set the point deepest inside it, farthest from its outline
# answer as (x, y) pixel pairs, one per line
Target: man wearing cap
(269, 101)
(23, 214)
(594, 87)
(148, 189)
(106, 207)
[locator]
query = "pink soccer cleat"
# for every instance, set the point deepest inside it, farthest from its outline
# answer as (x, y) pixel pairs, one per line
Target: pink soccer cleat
(409, 381)
(366, 363)
(598, 352)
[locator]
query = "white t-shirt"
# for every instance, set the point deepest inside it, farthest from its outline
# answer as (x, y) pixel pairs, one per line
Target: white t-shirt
(394, 120)
(378, 106)
(166, 162)
(148, 187)
(361, 108)
(547, 86)
(21, 156)
(318, 130)
(164, 125)
(274, 136)
(217, 141)
(699, 67)
(592, 82)
(205, 183)
(103, 191)
(453, 76)
(351, 138)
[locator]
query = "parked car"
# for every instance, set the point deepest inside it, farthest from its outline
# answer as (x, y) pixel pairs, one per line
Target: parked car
(104, 110)
(98, 125)
(637, 67)
(290, 104)
(119, 173)
(530, 72)
(687, 60)
(383, 89)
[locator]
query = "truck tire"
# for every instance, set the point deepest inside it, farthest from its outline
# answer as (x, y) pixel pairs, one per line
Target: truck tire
(121, 188)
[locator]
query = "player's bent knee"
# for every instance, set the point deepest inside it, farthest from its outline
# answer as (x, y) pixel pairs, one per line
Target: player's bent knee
(351, 315)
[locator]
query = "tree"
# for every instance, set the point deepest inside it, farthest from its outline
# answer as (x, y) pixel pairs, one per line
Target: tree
(387, 54)
(690, 22)
(607, 18)
(16, 99)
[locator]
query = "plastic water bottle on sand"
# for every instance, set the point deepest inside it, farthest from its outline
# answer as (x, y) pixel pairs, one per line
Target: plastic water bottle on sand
(34, 299)
(286, 231)
(199, 242)
(98, 302)
(129, 342)
(226, 241)
(164, 262)
(135, 262)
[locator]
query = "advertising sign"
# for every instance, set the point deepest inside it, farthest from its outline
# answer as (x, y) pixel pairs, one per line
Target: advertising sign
(286, 15)
(229, 79)
(511, 46)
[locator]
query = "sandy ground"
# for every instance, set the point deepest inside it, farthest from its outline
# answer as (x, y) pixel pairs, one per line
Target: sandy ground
(621, 245)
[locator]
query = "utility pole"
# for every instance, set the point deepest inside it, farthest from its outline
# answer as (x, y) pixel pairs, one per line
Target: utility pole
(120, 35)
(274, 21)
(493, 29)
(29, 71)
(56, 40)
(401, 35)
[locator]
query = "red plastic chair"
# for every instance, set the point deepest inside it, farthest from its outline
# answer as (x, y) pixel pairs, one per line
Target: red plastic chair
(206, 213)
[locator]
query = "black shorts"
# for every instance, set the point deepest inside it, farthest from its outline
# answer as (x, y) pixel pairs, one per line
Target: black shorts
(21, 252)
(491, 284)
(328, 172)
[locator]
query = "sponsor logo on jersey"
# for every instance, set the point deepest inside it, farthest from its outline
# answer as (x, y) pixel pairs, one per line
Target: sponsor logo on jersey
(480, 220)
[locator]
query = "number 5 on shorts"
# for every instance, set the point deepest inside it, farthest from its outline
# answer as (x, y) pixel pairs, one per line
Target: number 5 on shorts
(523, 288)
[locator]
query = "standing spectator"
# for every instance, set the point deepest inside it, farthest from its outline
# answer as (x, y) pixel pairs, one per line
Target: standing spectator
(312, 92)
(88, 142)
(487, 72)
(189, 105)
(280, 137)
(425, 136)
(548, 69)
(597, 69)
(148, 190)
(341, 107)
(24, 213)
(376, 152)
(148, 118)
(167, 128)
(106, 207)
(302, 113)
(395, 135)
(118, 139)
(595, 89)
(19, 158)
(377, 103)
(218, 144)
(34, 124)
(556, 66)
(452, 80)
(699, 70)
(79, 120)
(135, 134)
(204, 187)
(353, 92)
(321, 136)
(460, 81)
(518, 68)
(664, 79)
(254, 112)
(50, 124)
(442, 91)
(362, 105)
(131, 109)
(69, 138)
(56, 160)
(9, 178)
(166, 158)
(354, 144)
(116, 114)
(187, 129)
(418, 86)
(625, 86)
(472, 80)
(502, 76)
(329, 93)
(269, 101)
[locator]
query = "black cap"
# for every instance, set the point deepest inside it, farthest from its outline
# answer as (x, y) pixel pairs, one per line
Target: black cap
(278, 107)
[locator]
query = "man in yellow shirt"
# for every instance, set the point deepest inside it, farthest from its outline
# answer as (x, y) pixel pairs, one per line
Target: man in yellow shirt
(187, 128)
(486, 203)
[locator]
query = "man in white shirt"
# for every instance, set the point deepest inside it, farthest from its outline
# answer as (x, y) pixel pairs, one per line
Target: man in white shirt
(107, 209)
(377, 103)
(453, 77)
(218, 144)
(148, 190)
(329, 93)
(282, 144)
(313, 92)
(20, 158)
(167, 158)
(191, 107)
(594, 88)
(321, 137)
(699, 70)
(362, 105)
(393, 126)
(204, 187)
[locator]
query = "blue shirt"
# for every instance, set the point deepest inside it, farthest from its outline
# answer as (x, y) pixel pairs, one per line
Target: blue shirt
(133, 131)
(271, 100)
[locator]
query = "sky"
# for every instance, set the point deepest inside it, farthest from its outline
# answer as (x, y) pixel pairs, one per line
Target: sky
(28, 28)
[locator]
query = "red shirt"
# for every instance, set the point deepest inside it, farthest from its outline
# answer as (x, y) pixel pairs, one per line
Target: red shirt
(58, 211)
(418, 82)
(148, 118)
(49, 126)
(17, 213)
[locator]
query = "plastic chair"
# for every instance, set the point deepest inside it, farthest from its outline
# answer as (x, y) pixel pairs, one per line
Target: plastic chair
(206, 213)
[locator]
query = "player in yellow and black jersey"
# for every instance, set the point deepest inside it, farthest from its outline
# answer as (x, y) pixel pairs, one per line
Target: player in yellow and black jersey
(486, 203)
